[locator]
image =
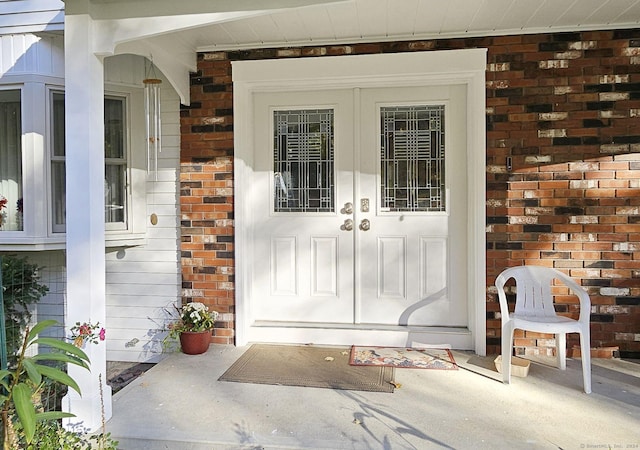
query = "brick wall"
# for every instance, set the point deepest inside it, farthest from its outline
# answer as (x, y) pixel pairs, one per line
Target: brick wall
(563, 172)
(565, 109)
(206, 194)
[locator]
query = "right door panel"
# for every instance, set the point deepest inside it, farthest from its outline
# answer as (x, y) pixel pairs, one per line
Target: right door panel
(411, 190)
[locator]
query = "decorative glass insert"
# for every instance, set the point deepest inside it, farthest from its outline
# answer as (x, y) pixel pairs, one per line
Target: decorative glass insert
(303, 161)
(11, 161)
(412, 158)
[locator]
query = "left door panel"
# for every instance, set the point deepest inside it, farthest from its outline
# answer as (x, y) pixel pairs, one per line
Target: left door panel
(302, 179)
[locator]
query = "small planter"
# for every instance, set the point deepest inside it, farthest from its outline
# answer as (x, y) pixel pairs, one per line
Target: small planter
(519, 366)
(195, 342)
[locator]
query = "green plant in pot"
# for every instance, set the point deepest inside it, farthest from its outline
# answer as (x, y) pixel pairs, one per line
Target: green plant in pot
(193, 327)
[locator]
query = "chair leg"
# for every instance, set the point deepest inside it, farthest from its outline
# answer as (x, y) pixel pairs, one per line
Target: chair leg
(561, 350)
(585, 349)
(507, 340)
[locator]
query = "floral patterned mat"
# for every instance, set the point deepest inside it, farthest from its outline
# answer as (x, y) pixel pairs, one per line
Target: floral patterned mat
(411, 358)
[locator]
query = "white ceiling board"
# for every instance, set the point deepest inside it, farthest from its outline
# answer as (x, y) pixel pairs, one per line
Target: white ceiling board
(460, 15)
(234, 32)
(519, 14)
(221, 34)
(372, 18)
(629, 15)
(401, 20)
(200, 35)
(266, 29)
(579, 11)
(344, 20)
(546, 15)
(317, 23)
(430, 16)
(489, 14)
(606, 10)
(290, 25)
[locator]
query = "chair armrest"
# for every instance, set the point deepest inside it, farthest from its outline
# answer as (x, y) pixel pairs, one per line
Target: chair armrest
(583, 296)
(502, 297)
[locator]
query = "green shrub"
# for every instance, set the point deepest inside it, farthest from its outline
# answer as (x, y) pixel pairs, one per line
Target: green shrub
(20, 386)
(21, 288)
(50, 434)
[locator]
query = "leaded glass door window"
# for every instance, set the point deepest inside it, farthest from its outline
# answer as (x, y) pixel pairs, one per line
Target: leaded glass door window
(303, 160)
(412, 158)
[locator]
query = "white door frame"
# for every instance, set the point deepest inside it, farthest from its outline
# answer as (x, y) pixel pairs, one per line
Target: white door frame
(466, 67)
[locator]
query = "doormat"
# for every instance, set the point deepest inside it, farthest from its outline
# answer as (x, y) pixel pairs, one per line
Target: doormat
(310, 366)
(411, 358)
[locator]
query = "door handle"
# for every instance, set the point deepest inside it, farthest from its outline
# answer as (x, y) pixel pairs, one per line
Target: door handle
(365, 225)
(347, 225)
(348, 208)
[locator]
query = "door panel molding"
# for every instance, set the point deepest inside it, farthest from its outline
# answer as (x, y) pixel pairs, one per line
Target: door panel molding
(433, 274)
(324, 266)
(392, 268)
(283, 265)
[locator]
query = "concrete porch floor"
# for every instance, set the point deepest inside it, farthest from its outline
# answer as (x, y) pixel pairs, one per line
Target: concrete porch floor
(180, 404)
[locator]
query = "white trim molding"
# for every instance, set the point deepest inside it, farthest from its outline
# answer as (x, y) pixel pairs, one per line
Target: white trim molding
(459, 67)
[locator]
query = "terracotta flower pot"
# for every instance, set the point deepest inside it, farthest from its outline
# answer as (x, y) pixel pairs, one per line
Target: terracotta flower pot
(195, 342)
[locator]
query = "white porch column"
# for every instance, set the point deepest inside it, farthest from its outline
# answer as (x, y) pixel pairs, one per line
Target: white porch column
(84, 110)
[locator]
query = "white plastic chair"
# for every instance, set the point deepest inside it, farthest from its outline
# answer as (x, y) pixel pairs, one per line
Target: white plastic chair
(534, 311)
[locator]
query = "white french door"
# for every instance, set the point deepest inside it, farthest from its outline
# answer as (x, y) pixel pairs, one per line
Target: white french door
(358, 203)
(411, 254)
(303, 255)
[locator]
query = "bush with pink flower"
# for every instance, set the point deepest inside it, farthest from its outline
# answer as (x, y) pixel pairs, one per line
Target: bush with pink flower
(3, 214)
(87, 332)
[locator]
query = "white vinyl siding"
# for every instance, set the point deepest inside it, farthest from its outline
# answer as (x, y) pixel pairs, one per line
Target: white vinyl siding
(142, 264)
(143, 281)
(31, 16)
(24, 54)
(35, 65)
(53, 275)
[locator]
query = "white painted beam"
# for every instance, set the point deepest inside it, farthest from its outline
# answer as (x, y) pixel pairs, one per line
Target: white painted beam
(84, 111)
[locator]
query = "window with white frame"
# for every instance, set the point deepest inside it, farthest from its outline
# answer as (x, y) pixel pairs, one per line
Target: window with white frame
(57, 134)
(118, 165)
(11, 202)
(32, 188)
(115, 157)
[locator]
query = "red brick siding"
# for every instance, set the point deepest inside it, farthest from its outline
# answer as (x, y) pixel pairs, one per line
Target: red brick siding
(206, 195)
(564, 109)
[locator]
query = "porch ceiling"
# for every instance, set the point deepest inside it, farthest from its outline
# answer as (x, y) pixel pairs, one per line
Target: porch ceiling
(173, 34)
(242, 24)
(386, 20)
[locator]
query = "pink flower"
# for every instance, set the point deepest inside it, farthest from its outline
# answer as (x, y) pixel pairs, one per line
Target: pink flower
(87, 332)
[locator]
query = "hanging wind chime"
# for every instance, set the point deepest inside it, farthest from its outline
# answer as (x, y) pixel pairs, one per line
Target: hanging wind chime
(152, 118)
